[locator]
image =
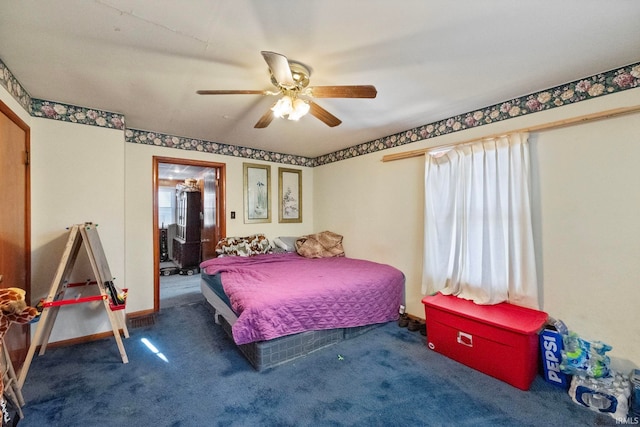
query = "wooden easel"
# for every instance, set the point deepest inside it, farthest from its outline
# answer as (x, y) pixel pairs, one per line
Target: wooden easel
(114, 304)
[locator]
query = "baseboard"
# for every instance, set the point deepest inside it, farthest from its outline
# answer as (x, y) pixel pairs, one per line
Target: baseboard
(137, 319)
(80, 340)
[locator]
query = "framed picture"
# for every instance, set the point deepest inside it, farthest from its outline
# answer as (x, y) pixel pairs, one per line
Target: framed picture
(257, 193)
(289, 195)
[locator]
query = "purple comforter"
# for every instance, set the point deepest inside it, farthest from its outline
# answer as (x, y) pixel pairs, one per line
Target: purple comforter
(282, 294)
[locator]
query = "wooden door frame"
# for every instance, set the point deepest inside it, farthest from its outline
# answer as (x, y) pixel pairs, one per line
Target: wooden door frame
(8, 112)
(221, 211)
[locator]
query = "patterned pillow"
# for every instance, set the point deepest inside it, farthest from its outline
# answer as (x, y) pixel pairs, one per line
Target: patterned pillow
(320, 245)
(243, 246)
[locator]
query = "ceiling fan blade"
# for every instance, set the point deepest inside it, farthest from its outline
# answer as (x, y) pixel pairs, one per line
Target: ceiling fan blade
(280, 69)
(265, 120)
(362, 91)
(322, 114)
(233, 92)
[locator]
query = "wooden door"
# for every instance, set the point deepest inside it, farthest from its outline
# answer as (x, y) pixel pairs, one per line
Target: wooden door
(14, 220)
(210, 221)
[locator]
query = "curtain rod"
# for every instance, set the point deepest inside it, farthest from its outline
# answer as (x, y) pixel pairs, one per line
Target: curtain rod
(551, 125)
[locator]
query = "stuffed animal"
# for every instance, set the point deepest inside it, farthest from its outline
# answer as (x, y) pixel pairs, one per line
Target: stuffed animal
(13, 309)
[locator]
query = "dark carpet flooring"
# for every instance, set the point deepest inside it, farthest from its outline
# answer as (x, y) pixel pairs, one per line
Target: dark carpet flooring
(184, 371)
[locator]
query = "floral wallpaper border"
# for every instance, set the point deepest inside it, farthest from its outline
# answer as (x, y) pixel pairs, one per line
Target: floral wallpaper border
(163, 140)
(606, 83)
(13, 86)
(580, 90)
(75, 114)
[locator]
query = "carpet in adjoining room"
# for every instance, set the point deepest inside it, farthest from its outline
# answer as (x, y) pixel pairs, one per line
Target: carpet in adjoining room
(179, 289)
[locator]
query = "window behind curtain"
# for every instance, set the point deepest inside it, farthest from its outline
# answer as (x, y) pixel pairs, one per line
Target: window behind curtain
(166, 206)
(478, 232)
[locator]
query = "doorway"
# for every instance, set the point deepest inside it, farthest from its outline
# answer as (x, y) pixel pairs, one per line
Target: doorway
(15, 246)
(188, 220)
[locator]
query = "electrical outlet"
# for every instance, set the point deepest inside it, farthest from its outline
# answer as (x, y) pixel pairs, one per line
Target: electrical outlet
(402, 308)
(233, 214)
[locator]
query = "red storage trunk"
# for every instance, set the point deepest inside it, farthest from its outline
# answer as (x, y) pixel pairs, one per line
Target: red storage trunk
(500, 340)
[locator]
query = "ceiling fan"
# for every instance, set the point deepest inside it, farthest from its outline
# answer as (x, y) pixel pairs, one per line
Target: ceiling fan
(291, 79)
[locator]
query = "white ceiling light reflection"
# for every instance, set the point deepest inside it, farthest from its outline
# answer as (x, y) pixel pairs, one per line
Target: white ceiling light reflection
(153, 348)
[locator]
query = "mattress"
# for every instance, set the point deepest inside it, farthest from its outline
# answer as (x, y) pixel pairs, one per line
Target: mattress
(214, 283)
(277, 295)
(211, 288)
(268, 354)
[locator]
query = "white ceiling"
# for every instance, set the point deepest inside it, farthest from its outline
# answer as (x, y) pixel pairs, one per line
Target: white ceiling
(429, 59)
(180, 172)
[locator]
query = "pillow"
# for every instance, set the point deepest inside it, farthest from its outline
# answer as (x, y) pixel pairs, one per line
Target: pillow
(320, 245)
(243, 246)
(288, 243)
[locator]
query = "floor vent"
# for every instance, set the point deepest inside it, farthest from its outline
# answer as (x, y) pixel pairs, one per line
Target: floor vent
(142, 321)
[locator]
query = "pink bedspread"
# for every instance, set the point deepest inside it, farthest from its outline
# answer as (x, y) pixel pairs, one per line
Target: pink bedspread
(282, 294)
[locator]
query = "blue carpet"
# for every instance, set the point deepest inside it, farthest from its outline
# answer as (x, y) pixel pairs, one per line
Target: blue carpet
(386, 377)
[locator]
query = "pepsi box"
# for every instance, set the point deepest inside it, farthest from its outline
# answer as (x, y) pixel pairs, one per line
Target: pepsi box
(551, 352)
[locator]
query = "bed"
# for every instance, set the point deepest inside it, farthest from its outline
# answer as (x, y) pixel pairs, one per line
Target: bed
(280, 306)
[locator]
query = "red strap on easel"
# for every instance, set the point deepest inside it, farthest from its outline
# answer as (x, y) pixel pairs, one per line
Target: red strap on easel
(58, 303)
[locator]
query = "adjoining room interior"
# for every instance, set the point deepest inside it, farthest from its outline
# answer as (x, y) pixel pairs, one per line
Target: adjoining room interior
(188, 226)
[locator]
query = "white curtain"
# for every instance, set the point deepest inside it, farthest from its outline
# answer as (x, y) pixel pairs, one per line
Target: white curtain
(478, 234)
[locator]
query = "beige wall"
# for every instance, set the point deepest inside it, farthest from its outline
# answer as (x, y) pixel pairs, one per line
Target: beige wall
(587, 206)
(139, 211)
(85, 173)
(77, 176)
(586, 228)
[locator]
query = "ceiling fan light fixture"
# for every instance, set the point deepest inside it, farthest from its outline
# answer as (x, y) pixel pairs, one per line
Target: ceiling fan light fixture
(290, 107)
(300, 108)
(283, 107)
(291, 79)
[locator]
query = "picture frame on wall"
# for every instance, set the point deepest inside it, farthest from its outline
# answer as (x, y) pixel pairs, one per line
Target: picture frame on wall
(289, 195)
(257, 193)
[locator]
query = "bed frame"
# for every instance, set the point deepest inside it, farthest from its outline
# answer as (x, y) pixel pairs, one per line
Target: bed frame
(267, 354)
